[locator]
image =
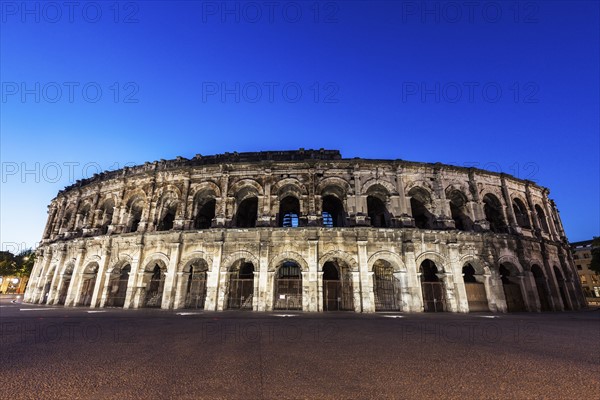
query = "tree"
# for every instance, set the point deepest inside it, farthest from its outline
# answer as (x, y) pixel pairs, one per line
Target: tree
(595, 264)
(19, 265)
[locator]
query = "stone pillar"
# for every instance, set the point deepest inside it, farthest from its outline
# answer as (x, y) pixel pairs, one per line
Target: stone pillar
(479, 221)
(415, 293)
(135, 284)
(53, 286)
(262, 291)
(365, 279)
(496, 293)
(169, 286)
(404, 213)
(76, 278)
(101, 286)
(213, 280)
(454, 266)
(180, 286)
(312, 292)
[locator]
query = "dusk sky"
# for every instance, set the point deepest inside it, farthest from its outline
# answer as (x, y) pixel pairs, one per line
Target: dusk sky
(505, 86)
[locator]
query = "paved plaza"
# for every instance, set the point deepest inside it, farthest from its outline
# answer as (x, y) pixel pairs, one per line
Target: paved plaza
(56, 352)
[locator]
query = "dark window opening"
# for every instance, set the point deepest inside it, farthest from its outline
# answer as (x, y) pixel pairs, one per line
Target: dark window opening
(458, 211)
(469, 274)
(333, 212)
(542, 218)
(493, 214)
(166, 224)
(429, 271)
(330, 272)
(423, 218)
(289, 210)
(247, 213)
(205, 215)
(377, 211)
(521, 214)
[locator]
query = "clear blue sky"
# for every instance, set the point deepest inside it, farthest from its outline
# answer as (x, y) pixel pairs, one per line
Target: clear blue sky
(502, 85)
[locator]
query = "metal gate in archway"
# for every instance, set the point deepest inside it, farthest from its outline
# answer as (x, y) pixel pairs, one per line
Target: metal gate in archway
(62, 297)
(337, 296)
(195, 296)
(387, 293)
(117, 292)
(87, 291)
(288, 294)
(514, 297)
(240, 293)
(476, 296)
(434, 296)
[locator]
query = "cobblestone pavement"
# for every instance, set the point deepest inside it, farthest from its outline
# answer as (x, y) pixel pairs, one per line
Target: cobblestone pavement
(55, 352)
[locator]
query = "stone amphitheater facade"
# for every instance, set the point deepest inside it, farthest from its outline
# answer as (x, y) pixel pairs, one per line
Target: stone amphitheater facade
(305, 230)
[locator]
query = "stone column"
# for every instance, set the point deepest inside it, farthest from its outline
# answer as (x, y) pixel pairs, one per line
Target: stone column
(404, 213)
(312, 290)
(415, 299)
(76, 278)
(101, 286)
(262, 291)
(135, 284)
(213, 280)
(180, 285)
(365, 279)
(54, 284)
(169, 286)
(462, 303)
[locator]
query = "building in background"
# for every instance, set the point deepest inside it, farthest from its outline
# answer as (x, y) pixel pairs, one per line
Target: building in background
(590, 280)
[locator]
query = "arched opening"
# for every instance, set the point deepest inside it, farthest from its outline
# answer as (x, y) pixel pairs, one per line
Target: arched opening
(377, 211)
(288, 287)
(117, 286)
(459, 212)
(247, 213)
(83, 218)
(540, 285)
(560, 280)
(47, 286)
(241, 285)
(337, 287)
(332, 212)
(542, 218)
(387, 290)
(205, 214)
(66, 223)
(66, 282)
(195, 289)
(135, 208)
(512, 288)
(167, 218)
(419, 202)
(88, 283)
(521, 214)
(155, 282)
(493, 213)
(476, 295)
(106, 215)
(434, 291)
(289, 212)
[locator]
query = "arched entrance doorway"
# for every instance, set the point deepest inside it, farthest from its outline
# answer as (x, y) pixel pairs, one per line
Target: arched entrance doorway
(560, 280)
(195, 289)
(154, 286)
(337, 287)
(540, 285)
(241, 286)
(434, 292)
(66, 282)
(117, 286)
(386, 287)
(87, 285)
(476, 295)
(288, 287)
(512, 288)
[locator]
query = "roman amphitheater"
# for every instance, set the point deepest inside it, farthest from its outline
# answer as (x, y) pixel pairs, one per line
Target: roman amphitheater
(305, 230)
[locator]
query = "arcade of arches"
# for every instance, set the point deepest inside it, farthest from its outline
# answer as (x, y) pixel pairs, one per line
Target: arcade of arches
(364, 281)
